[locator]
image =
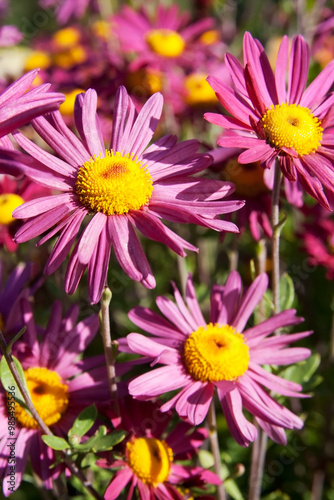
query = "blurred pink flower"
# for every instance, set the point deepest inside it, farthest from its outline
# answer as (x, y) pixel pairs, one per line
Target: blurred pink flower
(272, 121)
(123, 188)
(61, 386)
(200, 356)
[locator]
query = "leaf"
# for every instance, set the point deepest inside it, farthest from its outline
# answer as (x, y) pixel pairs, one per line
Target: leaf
(287, 292)
(303, 372)
(109, 441)
(83, 422)
(17, 336)
(8, 380)
(55, 442)
(233, 490)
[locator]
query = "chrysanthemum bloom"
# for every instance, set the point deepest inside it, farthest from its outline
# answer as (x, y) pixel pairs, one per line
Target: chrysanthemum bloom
(290, 124)
(121, 188)
(201, 356)
(60, 387)
(12, 194)
(151, 455)
(9, 35)
(160, 43)
(68, 9)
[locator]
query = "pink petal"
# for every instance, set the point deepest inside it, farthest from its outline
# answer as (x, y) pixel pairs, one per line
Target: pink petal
(119, 481)
(250, 300)
(158, 381)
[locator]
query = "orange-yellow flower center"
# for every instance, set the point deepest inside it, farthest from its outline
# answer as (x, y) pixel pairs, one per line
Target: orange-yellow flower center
(167, 43)
(37, 59)
(66, 37)
(8, 203)
(48, 394)
(247, 178)
(292, 126)
(144, 81)
(67, 107)
(210, 37)
(150, 459)
(198, 91)
(114, 184)
(215, 352)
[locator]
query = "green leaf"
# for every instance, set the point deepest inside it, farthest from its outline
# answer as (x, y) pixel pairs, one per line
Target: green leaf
(17, 336)
(233, 490)
(89, 444)
(9, 383)
(83, 422)
(109, 441)
(287, 292)
(55, 442)
(303, 372)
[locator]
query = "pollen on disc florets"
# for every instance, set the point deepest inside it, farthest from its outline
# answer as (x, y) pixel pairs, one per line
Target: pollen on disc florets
(292, 126)
(113, 184)
(8, 203)
(150, 459)
(165, 42)
(48, 394)
(215, 352)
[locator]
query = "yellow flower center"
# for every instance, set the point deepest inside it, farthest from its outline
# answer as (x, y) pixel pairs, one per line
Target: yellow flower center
(144, 81)
(68, 58)
(48, 394)
(150, 459)
(37, 59)
(167, 43)
(67, 37)
(247, 178)
(216, 352)
(210, 37)
(67, 107)
(292, 126)
(114, 184)
(8, 203)
(198, 91)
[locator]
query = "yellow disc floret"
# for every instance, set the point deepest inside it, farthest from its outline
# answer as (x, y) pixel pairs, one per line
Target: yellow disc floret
(114, 184)
(48, 394)
(215, 352)
(198, 91)
(66, 37)
(37, 59)
(8, 203)
(292, 126)
(209, 37)
(167, 43)
(150, 459)
(67, 107)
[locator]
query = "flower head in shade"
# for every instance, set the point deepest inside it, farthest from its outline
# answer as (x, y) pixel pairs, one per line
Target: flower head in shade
(68, 9)
(60, 387)
(278, 121)
(119, 189)
(200, 356)
(162, 42)
(151, 454)
(12, 194)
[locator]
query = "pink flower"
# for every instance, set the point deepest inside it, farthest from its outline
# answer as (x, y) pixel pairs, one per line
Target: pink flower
(68, 9)
(120, 189)
(290, 124)
(151, 454)
(12, 194)
(200, 356)
(160, 43)
(60, 386)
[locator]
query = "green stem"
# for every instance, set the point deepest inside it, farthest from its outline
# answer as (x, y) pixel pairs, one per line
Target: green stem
(110, 346)
(214, 444)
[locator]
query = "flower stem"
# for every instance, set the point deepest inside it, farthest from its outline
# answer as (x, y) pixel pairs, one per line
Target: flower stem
(45, 429)
(260, 445)
(214, 443)
(276, 227)
(110, 346)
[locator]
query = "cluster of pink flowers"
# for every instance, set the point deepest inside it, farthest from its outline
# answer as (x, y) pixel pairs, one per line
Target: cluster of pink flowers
(97, 168)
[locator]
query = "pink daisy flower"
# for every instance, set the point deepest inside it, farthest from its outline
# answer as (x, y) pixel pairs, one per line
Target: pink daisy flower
(68, 9)
(318, 242)
(200, 356)
(122, 188)
(274, 121)
(60, 386)
(151, 454)
(162, 42)
(12, 194)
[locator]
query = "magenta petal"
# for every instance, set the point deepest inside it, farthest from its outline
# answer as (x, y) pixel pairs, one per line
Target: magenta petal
(155, 324)
(183, 308)
(275, 432)
(145, 125)
(230, 299)
(298, 69)
(18, 87)
(280, 70)
(258, 153)
(128, 250)
(90, 236)
(98, 267)
(250, 300)
(172, 312)
(90, 124)
(119, 481)
(119, 118)
(241, 429)
(41, 205)
(199, 402)
(158, 381)
(285, 318)
(193, 302)
(273, 382)
(318, 88)
(148, 347)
